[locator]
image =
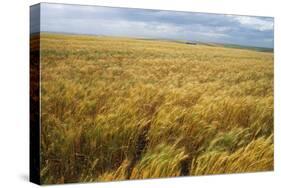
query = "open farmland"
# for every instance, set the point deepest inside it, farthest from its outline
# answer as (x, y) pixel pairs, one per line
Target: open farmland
(120, 108)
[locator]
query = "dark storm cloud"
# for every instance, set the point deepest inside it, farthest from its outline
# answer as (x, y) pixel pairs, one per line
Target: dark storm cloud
(244, 30)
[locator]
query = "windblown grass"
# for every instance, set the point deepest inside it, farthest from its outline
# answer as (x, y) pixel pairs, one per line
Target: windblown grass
(118, 108)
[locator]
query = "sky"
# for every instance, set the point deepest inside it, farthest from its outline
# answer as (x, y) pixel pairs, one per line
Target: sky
(156, 24)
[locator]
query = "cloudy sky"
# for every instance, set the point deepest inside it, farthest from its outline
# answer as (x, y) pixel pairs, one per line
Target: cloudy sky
(243, 30)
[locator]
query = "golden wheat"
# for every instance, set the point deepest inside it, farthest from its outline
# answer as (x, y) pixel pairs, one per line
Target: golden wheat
(119, 108)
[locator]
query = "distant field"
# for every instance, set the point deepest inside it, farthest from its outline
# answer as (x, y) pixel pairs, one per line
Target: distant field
(120, 108)
(259, 49)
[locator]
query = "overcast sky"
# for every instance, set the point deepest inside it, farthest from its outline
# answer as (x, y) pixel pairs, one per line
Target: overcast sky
(243, 30)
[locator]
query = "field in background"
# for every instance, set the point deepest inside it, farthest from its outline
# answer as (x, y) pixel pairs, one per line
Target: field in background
(119, 108)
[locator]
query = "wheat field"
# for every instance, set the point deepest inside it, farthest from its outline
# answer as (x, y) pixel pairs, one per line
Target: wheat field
(118, 108)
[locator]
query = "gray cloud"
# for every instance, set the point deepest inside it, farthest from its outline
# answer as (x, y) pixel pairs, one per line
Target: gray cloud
(35, 18)
(243, 30)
